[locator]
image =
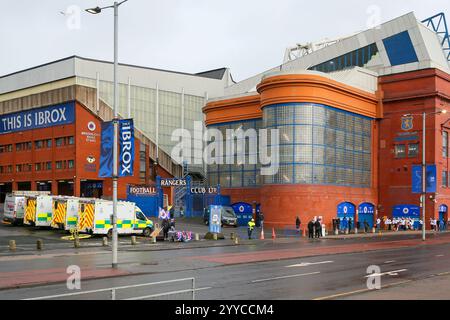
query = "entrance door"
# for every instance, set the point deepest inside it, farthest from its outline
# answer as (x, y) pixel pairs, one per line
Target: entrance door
(365, 213)
(346, 210)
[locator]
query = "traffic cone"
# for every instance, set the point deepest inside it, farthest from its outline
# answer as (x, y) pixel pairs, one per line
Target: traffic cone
(262, 234)
(273, 234)
(304, 232)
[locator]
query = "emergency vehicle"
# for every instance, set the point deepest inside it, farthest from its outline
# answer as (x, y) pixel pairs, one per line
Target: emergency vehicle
(95, 218)
(65, 212)
(14, 206)
(38, 210)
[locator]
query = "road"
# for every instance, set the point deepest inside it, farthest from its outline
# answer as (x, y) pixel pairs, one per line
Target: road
(281, 269)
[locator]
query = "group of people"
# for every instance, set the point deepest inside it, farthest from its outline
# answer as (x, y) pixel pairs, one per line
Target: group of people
(167, 225)
(315, 228)
(404, 224)
(438, 225)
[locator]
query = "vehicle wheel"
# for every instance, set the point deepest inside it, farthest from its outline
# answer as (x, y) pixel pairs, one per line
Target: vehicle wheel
(14, 223)
(109, 234)
(147, 232)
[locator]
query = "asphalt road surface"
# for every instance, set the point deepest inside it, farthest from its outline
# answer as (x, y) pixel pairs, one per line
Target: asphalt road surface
(251, 271)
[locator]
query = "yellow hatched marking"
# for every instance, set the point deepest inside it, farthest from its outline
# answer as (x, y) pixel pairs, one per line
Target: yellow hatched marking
(30, 211)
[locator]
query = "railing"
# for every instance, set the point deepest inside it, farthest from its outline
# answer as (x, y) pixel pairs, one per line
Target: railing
(439, 26)
(115, 289)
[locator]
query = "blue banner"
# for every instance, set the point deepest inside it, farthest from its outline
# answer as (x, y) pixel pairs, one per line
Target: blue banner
(126, 147)
(430, 178)
(215, 218)
(106, 150)
(38, 118)
(406, 211)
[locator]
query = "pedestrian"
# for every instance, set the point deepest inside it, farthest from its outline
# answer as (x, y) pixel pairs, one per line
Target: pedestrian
(250, 227)
(261, 219)
(165, 227)
(378, 224)
(297, 224)
(349, 224)
(366, 226)
(310, 229)
(441, 225)
(318, 227)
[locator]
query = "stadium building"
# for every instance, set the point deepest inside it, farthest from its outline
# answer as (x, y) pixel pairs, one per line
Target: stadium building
(51, 115)
(349, 113)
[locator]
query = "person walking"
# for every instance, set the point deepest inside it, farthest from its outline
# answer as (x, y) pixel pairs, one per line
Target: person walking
(250, 227)
(318, 227)
(366, 226)
(165, 227)
(297, 224)
(310, 229)
(261, 220)
(378, 224)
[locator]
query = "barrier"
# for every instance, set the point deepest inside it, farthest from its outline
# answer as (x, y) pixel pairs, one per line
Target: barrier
(133, 240)
(114, 291)
(105, 241)
(12, 245)
(39, 244)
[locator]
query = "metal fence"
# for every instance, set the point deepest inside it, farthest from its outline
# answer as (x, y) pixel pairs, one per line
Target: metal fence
(113, 291)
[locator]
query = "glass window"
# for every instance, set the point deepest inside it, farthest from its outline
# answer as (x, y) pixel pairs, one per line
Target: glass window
(444, 178)
(413, 150)
(39, 144)
(71, 140)
(59, 142)
(59, 164)
(445, 144)
(71, 164)
(38, 167)
(49, 143)
(400, 150)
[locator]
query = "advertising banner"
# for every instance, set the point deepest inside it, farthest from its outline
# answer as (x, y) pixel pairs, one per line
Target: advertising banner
(417, 178)
(38, 118)
(126, 147)
(106, 150)
(215, 219)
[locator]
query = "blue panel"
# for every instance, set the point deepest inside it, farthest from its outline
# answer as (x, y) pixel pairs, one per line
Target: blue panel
(365, 213)
(243, 211)
(106, 150)
(400, 49)
(126, 147)
(38, 118)
(417, 178)
(406, 211)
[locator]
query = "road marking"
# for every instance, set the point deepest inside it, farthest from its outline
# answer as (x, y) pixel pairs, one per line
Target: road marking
(360, 291)
(305, 264)
(439, 255)
(285, 277)
(390, 273)
(389, 261)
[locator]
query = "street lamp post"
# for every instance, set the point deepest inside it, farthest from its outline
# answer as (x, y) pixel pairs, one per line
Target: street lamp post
(115, 123)
(424, 165)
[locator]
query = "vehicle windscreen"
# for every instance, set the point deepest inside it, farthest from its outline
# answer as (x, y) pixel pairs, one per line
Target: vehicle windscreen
(229, 213)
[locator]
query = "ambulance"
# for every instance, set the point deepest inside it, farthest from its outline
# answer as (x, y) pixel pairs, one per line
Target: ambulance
(65, 212)
(95, 218)
(38, 211)
(14, 206)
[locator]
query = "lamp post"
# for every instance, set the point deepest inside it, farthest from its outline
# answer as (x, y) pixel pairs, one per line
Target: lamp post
(424, 191)
(98, 10)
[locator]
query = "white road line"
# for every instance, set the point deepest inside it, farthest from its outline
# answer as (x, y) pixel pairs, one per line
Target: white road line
(439, 255)
(285, 277)
(390, 273)
(305, 264)
(389, 261)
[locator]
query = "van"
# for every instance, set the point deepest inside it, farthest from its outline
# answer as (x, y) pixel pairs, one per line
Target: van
(38, 211)
(14, 209)
(95, 218)
(65, 212)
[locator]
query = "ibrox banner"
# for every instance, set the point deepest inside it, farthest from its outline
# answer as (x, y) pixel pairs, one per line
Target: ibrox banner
(106, 150)
(126, 149)
(38, 118)
(126, 159)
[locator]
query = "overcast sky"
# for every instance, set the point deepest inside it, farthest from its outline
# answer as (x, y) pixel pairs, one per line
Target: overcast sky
(248, 36)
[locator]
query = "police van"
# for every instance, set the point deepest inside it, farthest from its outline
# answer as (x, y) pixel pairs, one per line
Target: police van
(95, 218)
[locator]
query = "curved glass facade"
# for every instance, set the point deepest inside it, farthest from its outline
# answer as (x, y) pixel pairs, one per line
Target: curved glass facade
(237, 175)
(320, 145)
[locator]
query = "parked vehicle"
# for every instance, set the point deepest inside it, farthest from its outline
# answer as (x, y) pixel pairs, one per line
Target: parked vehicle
(14, 206)
(65, 212)
(95, 218)
(38, 211)
(228, 216)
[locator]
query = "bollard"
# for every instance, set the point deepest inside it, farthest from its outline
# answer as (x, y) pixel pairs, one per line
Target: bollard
(153, 239)
(346, 231)
(236, 240)
(197, 237)
(105, 241)
(214, 236)
(373, 230)
(336, 232)
(39, 244)
(76, 242)
(356, 230)
(232, 236)
(133, 240)
(12, 245)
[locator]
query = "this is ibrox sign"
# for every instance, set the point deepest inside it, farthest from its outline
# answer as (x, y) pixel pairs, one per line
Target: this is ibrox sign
(38, 118)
